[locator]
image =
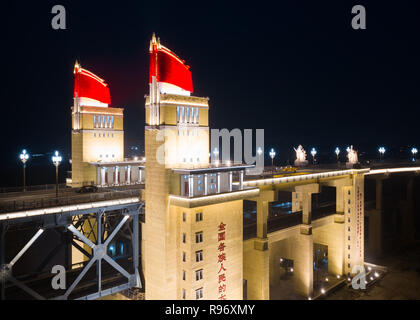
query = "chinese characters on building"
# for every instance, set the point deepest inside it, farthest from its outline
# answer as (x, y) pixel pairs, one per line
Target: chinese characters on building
(359, 217)
(221, 237)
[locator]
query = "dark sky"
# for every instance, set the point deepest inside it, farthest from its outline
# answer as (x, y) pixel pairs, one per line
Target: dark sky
(295, 68)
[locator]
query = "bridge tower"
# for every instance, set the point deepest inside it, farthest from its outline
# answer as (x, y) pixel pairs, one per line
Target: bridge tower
(192, 236)
(97, 129)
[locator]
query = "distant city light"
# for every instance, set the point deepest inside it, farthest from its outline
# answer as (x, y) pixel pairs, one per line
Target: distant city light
(322, 290)
(259, 151)
(348, 149)
(337, 151)
(376, 274)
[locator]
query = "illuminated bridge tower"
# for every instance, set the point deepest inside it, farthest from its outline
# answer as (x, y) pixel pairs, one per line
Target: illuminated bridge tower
(192, 236)
(97, 131)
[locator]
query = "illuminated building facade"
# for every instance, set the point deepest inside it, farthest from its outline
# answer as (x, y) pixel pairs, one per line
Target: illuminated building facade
(192, 236)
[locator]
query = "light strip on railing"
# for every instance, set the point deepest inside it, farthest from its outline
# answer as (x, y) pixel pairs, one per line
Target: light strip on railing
(303, 177)
(84, 206)
(393, 170)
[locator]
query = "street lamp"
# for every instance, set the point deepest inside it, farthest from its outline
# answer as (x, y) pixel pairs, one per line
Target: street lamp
(272, 154)
(337, 152)
(313, 153)
(381, 152)
(56, 159)
(259, 152)
(24, 156)
(414, 152)
(216, 154)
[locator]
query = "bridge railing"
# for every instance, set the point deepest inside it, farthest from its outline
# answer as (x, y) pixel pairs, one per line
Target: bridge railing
(30, 204)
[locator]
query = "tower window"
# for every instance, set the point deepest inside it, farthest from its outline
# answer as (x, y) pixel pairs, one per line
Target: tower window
(184, 275)
(184, 294)
(184, 238)
(199, 294)
(184, 256)
(199, 216)
(199, 275)
(184, 216)
(199, 256)
(199, 237)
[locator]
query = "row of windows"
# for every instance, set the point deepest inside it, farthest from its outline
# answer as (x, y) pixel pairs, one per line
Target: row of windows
(198, 294)
(103, 135)
(198, 275)
(100, 121)
(198, 217)
(187, 114)
(198, 256)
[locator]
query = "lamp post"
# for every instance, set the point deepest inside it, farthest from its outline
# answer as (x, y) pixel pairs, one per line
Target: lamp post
(414, 152)
(337, 152)
(24, 156)
(272, 154)
(381, 152)
(56, 159)
(313, 153)
(259, 152)
(216, 155)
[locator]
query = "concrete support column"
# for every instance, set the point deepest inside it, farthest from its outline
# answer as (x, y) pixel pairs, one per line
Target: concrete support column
(262, 215)
(103, 173)
(375, 221)
(230, 180)
(407, 214)
(218, 182)
(306, 191)
(256, 270)
(129, 174)
(339, 200)
(140, 175)
(190, 185)
(303, 265)
(241, 180)
(205, 184)
(98, 176)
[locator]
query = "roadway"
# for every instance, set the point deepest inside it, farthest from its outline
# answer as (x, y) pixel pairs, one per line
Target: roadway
(44, 198)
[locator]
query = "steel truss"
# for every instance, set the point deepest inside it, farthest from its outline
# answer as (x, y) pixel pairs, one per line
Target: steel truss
(96, 236)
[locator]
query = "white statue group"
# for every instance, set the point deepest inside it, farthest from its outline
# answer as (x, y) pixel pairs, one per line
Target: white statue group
(301, 156)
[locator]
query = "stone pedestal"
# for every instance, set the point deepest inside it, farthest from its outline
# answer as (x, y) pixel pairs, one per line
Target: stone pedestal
(299, 163)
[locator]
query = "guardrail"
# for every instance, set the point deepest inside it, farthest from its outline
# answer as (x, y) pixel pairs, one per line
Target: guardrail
(20, 205)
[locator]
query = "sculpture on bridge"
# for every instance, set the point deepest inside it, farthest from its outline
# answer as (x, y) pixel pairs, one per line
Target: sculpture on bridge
(300, 156)
(352, 156)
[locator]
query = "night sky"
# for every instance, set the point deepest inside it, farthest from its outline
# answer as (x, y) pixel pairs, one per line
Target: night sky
(295, 68)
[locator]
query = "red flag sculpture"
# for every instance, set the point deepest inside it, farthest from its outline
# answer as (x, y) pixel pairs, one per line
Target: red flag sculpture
(89, 85)
(168, 67)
